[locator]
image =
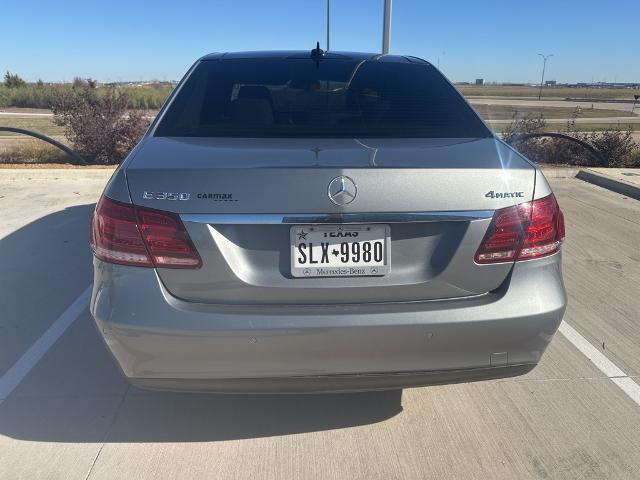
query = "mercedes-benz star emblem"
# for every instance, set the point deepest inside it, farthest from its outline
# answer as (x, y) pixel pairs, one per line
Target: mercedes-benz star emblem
(342, 190)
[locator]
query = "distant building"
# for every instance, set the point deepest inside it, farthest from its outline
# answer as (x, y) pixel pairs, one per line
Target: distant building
(479, 81)
(551, 83)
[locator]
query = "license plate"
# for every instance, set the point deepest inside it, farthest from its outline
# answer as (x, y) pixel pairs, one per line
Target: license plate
(340, 250)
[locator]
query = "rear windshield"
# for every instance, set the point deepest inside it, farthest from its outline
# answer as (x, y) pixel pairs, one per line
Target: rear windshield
(302, 98)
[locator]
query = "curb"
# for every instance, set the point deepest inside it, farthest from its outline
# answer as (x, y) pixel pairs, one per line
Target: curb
(609, 183)
(560, 172)
(49, 174)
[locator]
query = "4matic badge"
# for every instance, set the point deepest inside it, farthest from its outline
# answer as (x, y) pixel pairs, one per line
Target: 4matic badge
(492, 194)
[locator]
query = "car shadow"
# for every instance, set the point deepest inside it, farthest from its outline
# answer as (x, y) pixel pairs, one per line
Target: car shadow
(197, 417)
(76, 393)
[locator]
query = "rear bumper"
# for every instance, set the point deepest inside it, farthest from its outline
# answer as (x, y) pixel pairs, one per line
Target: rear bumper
(162, 342)
(330, 383)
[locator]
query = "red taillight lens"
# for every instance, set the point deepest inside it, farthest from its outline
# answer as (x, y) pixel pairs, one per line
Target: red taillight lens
(128, 235)
(521, 232)
(545, 231)
(167, 239)
(115, 236)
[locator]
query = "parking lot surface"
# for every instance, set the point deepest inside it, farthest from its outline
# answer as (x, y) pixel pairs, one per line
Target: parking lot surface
(66, 413)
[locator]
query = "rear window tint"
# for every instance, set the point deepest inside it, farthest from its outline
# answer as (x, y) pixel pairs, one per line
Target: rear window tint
(330, 98)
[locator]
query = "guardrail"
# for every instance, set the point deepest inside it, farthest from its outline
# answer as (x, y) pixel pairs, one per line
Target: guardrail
(74, 156)
(586, 145)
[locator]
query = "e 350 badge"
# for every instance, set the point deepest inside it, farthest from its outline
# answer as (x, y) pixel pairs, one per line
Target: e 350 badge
(174, 196)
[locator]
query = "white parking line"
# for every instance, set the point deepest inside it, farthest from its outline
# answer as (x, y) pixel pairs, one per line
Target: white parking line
(606, 366)
(12, 378)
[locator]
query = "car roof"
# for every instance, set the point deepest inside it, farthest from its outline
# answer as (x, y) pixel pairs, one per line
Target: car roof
(357, 56)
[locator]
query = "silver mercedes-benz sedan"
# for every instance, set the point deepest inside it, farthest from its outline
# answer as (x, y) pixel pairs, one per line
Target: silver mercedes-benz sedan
(311, 222)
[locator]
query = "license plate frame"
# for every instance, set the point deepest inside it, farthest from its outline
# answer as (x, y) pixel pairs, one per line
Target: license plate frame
(366, 232)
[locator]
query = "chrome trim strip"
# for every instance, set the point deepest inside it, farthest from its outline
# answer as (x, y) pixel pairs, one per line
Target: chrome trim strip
(304, 218)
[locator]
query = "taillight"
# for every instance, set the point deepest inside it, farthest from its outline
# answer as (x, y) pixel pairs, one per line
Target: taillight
(522, 232)
(115, 236)
(128, 235)
(167, 239)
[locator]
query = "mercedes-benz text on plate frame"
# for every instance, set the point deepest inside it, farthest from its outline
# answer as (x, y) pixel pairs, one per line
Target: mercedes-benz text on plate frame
(311, 222)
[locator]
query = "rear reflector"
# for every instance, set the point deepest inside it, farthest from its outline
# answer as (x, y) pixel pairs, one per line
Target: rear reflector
(522, 232)
(128, 235)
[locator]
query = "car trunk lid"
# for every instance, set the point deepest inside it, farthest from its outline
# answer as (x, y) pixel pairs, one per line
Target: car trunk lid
(239, 199)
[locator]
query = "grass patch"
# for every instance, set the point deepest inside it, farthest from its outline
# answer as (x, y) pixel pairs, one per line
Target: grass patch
(30, 150)
(42, 96)
(38, 124)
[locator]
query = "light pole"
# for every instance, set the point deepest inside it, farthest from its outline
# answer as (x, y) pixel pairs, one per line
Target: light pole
(544, 66)
(443, 53)
(328, 2)
(386, 27)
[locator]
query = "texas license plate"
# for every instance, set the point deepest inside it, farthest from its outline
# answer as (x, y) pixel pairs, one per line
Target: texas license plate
(340, 250)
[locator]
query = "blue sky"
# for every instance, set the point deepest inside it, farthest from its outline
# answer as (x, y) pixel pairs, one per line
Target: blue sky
(497, 40)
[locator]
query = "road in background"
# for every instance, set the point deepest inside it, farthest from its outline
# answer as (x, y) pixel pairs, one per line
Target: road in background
(612, 122)
(597, 104)
(74, 417)
(17, 113)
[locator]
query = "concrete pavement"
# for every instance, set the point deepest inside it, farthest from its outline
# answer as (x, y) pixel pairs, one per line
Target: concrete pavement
(624, 175)
(625, 181)
(72, 416)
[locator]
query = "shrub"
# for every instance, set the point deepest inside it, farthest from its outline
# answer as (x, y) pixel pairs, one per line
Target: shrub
(534, 148)
(528, 124)
(149, 97)
(12, 80)
(79, 82)
(616, 145)
(634, 159)
(100, 128)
